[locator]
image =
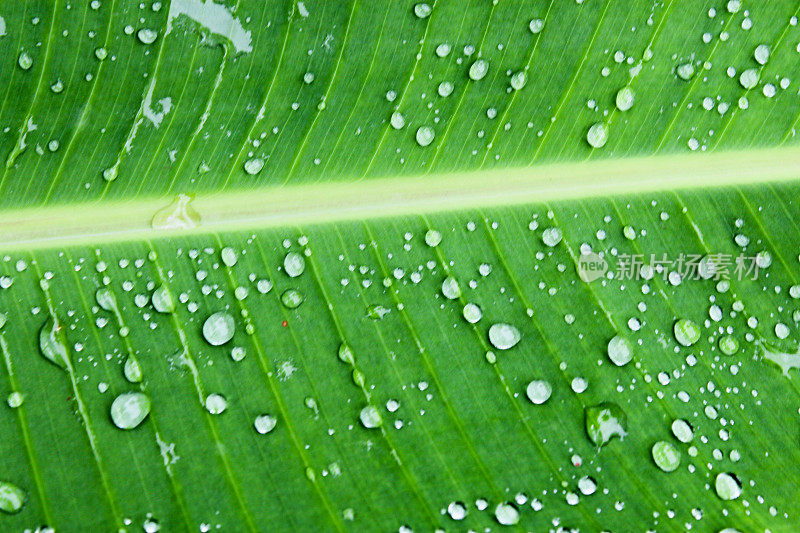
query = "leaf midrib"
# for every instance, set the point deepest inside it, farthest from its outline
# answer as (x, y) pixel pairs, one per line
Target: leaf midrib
(95, 222)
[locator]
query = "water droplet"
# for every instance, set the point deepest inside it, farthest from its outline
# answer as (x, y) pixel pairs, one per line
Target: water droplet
(666, 456)
(539, 391)
(100, 53)
(147, 36)
(472, 313)
(433, 238)
(106, 299)
(443, 49)
(228, 256)
(265, 423)
(130, 409)
(682, 430)
(620, 350)
(422, 10)
(587, 485)
(749, 78)
(597, 136)
(292, 298)
(346, 354)
(238, 353)
(294, 264)
(457, 510)
(625, 98)
(450, 288)
(727, 486)
(761, 54)
(132, 370)
(397, 121)
(218, 328)
(15, 399)
(685, 71)
(445, 89)
(425, 135)
(162, 299)
(686, 332)
(728, 345)
(552, 236)
(25, 61)
(177, 215)
(52, 344)
(506, 514)
(377, 312)
(605, 421)
(518, 80)
(478, 70)
(536, 25)
(12, 498)
(504, 336)
(370, 417)
(151, 525)
(216, 403)
(253, 166)
(734, 6)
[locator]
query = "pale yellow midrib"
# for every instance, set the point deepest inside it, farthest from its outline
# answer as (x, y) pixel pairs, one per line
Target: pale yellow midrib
(96, 222)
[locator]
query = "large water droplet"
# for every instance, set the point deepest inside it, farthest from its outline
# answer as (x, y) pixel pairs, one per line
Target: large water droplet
(370, 417)
(666, 456)
(506, 514)
(253, 166)
(605, 421)
(265, 423)
(294, 264)
(597, 136)
(228, 256)
(478, 70)
(218, 328)
(346, 354)
(625, 98)
(25, 61)
(292, 298)
(620, 350)
(12, 498)
(132, 370)
(425, 135)
(472, 313)
(727, 486)
(457, 510)
(450, 288)
(147, 36)
(106, 299)
(52, 344)
(162, 299)
(682, 430)
(552, 236)
(216, 403)
(686, 332)
(504, 336)
(130, 409)
(539, 391)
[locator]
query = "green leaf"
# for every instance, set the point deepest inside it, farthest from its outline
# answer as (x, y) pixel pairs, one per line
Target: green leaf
(399, 265)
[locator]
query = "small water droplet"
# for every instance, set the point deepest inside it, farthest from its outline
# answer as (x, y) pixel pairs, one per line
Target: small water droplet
(450, 288)
(292, 298)
(377, 312)
(472, 313)
(216, 403)
(346, 354)
(625, 98)
(228, 256)
(25, 61)
(15, 399)
(12, 498)
(370, 417)
(106, 299)
(539, 391)
(265, 423)
(253, 166)
(518, 80)
(422, 10)
(162, 299)
(597, 136)
(605, 421)
(397, 120)
(52, 344)
(425, 135)
(147, 36)
(132, 370)
(457, 510)
(685, 71)
(686, 332)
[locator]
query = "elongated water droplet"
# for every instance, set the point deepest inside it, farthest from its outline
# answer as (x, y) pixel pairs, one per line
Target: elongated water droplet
(504, 336)
(506, 514)
(162, 299)
(539, 391)
(106, 299)
(52, 345)
(294, 264)
(686, 332)
(292, 298)
(219, 328)
(370, 417)
(605, 421)
(666, 456)
(478, 70)
(132, 370)
(12, 498)
(682, 430)
(130, 409)
(177, 215)
(450, 288)
(762, 54)
(265, 423)
(346, 354)
(597, 136)
(216, 403)
(625, 98)
(727, 486)
(620, 350)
